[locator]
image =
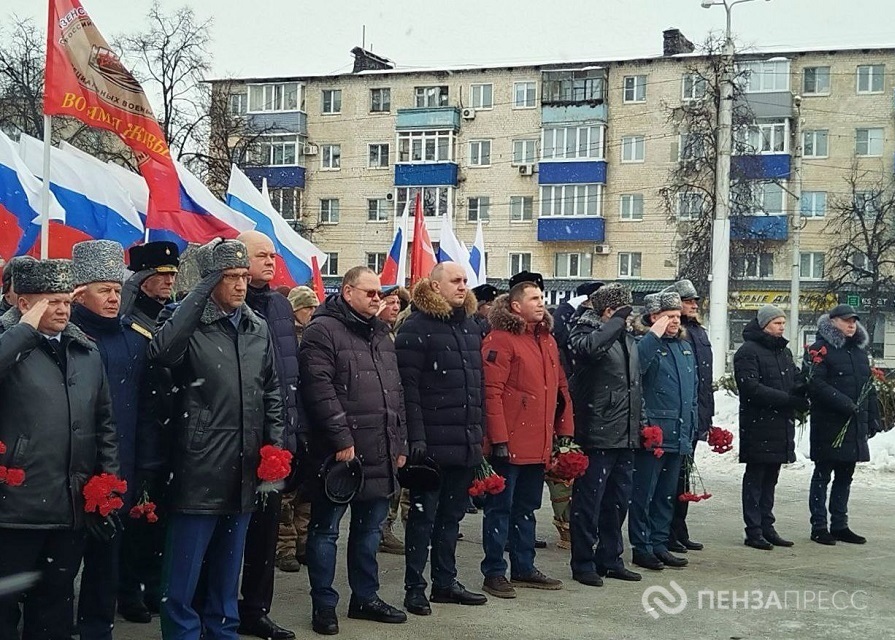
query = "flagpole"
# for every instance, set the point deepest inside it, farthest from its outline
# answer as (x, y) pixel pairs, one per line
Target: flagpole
(45, 190)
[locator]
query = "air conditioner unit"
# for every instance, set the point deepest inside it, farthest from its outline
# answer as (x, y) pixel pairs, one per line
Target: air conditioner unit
(526, 169)
(468, 114)
(602, 249)
(310, 150)
(390, 196)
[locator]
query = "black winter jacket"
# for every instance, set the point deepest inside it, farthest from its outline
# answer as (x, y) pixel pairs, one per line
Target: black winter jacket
(705, 395)
(352, 393)
(228, 404)
(765, 376)
(440, 357)
(835, 386)
(57, 427)
(606, 386)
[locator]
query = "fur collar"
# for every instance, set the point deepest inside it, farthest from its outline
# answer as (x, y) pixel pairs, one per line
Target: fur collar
(835, 337)
(71, 331)
(590, 318)
(426, 300)
(502, 318)
(212, 313)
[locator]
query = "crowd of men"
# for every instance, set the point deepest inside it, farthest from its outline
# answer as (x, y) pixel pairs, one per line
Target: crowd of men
(390, 403)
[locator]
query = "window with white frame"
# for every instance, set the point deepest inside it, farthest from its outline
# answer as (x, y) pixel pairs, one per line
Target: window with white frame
(569, 143)
(376, 261)
(693, 87)
(770, 198)
(629, 265)
(378, 210)
(813, 204)
(861, 263)
(521, 208)
(631, 206)
(332, 101)
(288, 202)
(329, 210)
(377, 157)
(237, 103)
(525, 95)
(634, 89)
(480, 153)
(436, 96)
(869, 142)
(633, 148)
(816, 81)
(571, 200)
(478, 208)
(756, 198)
(380, 100)
(815, 143)
(330, 157)
(763, 138)
(274, 97)
(436, 201)
(866, 205)
(765, 75)
(572, 265)
(525, 151)
(691, 147)
(870, 78)
(425, 146)
(573, 85)
(811, 265)
(274, 151)
(519, 262)
(753, 266)
(331, 266)
(690, 205)
(481, 96)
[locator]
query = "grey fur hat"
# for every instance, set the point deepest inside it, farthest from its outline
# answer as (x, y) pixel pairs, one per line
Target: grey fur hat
(97, 261)
(220, 254)
(611, 296)
(10, 268)
(685, 289)
(43, 276)
(662, 301)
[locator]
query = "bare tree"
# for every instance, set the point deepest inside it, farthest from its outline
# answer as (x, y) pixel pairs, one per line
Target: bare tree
(21, 77)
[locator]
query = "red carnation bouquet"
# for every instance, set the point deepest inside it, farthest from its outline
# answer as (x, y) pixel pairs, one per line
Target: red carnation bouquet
(10, 476)
(652, 439)
(487, 480)
(275, 466)
(720, 440)
(568, 461)
(103, 492)
(691, 479)
(144, 509)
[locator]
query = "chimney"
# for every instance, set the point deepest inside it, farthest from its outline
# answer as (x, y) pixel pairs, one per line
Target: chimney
(674, 42)
(368, 61)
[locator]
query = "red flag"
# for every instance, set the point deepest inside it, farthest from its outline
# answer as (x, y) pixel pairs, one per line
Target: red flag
(422, 255)
(317, 284)
(86, 80)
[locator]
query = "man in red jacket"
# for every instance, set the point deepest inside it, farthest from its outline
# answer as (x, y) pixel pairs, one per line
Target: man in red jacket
(526, 404)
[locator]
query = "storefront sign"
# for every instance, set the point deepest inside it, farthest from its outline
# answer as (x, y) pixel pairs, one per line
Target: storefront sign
(808, 301)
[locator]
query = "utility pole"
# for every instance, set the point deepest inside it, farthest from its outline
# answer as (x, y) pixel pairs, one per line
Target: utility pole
(795, 277)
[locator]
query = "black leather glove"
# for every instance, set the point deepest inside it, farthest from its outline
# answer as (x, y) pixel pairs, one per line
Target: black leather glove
(799, 389)
(799, 403)
(102, 528)
(623, 312)
(131, 289)
(417, 451)
(500, 452)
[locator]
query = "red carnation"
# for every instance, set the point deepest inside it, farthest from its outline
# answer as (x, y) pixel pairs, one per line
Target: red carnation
(652, 436)
(658, 452)
(720, 440)
(103, 492)
(2, 448)
(275, 463)
(151, 517)
(569, 465)
(498, 484)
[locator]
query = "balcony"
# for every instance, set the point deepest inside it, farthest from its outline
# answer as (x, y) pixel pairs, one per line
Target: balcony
(433, 174)
(774, 166)
(759, 227)
(573, 114)
(571, 229)
(278, 122)
(277, 177)
(574, 172)
(428, 118)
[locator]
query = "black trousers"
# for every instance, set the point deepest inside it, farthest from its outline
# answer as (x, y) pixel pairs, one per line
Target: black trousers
(142, 547)
(99, 588)
(679, 531)
(759, 482)
(259, 559)
(49, 605)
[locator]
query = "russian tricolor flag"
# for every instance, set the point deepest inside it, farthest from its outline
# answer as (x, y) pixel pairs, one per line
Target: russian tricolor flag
(203, 216)
(394, 271)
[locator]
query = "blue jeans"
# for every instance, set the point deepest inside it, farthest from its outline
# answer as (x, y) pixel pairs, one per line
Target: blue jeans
(599, 505)
(817, 494)
(652, 501)
(510, 516)
(218, 542)
(364, 534)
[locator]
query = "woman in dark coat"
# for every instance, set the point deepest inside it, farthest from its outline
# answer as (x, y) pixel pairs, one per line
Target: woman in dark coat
(766, 378)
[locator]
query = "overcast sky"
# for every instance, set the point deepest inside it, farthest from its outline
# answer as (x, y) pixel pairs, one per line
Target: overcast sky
(296, 37)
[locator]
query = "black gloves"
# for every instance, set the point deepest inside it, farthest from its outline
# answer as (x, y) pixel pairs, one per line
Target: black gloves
(623, 312)
(131, 289)
(417, 451)
(102, 528)
(799, 389)
(500, 451)
(799, 403)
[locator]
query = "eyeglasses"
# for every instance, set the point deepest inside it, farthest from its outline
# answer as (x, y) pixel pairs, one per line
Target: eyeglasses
(233, 278)
(371, 293)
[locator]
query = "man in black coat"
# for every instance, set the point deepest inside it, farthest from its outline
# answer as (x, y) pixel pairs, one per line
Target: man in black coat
(229, 406)
(766, 379)
(151, 287)
(352, 393)
(566, 315)
(844, 414)
(58, 428)
(485, 295)
(606, 396)
(439, 354)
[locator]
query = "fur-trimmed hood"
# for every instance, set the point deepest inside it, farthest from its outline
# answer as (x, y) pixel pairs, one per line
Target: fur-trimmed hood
(502, 317)
(12, 317)
(212, 313)
(835, 337)
(427, 301)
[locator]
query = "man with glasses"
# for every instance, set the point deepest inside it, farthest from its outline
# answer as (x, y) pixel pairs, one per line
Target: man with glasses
(355, 402)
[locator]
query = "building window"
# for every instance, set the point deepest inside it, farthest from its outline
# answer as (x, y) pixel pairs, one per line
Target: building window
(436, 200)
(580, 85)
(376, 261)
(762, 138)
(519, 262)
(431, 96)
(691, 147)
(288, 202)
(757, 198)
(331, 157)
(570, 143)
(754, 266)
(479, 208)
(861, 263)
(765, 75)
(814, 144)
(274, 97)
(690, 205)
(692, 87)
(870, 78)
(329, 210)
(380, 100)
(571, 200)
(869, 142)
(572, 265)
(481, 95)
(811, 266)
(332, 101)
(237, 104)
(331, 266)
(632, 206)
(525, 151)
(378, 156)
(633, 149)
(525, 95)
(480, 153)
(629, 265)
(816, 81)
(377, 210)
(634, 89)
(866, 205)
(425, 146)
(521, 208)
(274, 151)
(814, 204)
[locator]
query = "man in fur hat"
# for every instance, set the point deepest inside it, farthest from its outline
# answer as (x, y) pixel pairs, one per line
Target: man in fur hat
(8, 301)
(61, 436)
